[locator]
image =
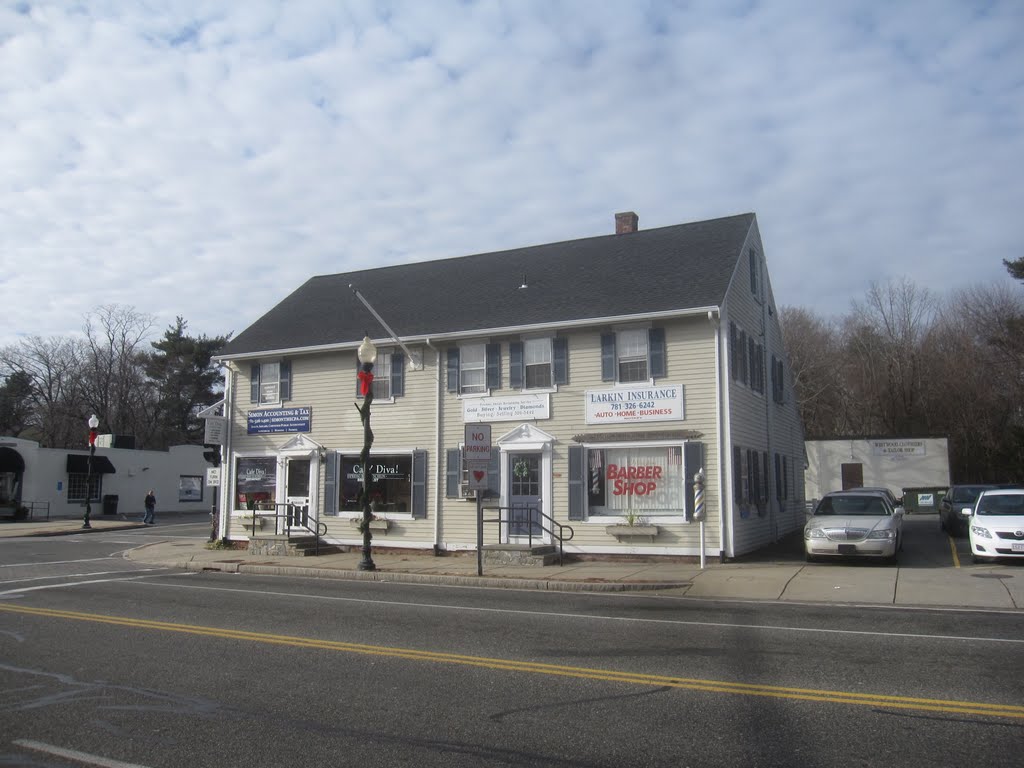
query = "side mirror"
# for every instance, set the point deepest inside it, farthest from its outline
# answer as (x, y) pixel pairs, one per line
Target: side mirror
(967, 511)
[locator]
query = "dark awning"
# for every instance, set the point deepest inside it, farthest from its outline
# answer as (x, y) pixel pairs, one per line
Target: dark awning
(79, 465)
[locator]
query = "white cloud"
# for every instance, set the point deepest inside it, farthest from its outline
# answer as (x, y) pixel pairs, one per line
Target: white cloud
(204, 159)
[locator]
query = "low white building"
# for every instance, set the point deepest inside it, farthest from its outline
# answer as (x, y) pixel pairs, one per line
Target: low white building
(53, 480)
(895, 463)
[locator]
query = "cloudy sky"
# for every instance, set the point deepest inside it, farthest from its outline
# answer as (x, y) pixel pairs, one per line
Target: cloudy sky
(203, 158)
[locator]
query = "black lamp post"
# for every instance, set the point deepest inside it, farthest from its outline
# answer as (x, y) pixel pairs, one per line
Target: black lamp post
(94, 423)
(367, 357)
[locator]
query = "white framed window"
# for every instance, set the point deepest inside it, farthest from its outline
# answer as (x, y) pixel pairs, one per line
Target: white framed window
(382, 376)
(648, 481)
(473, 369)
(537, 364)
(270, 383)
(631, 353)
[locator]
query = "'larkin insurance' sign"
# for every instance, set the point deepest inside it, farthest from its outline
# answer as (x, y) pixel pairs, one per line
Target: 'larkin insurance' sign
(615, 406)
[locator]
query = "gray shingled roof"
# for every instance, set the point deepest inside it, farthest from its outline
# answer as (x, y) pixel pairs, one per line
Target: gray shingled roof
(655, 270)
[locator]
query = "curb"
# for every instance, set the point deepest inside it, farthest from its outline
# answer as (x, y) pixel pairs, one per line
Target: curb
(543, 585)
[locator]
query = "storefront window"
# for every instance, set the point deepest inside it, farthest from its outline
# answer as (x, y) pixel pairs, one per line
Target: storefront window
(255, 481)
(390, 483)
(647, 481)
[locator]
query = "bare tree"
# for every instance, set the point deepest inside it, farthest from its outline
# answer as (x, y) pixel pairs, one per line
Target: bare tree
(114, 380)
(815, 361)
(52, 367)
(886, 337)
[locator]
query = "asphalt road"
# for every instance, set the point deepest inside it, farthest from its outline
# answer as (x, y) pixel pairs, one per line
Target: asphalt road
(105, 663)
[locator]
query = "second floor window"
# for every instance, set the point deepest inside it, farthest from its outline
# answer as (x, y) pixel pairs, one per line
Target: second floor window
(537, 363)
(473, 368)
(382, 376)
(270, 383)
(634, 354)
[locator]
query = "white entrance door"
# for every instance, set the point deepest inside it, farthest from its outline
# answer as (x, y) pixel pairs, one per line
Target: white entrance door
(296, 492)
(524, 482)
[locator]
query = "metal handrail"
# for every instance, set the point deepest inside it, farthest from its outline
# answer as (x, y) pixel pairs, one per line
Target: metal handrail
(289, 514)
(34, 506)
(531, 521)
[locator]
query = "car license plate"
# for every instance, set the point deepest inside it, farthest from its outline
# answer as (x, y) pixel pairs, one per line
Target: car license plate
(1017, 547)
(847, 549)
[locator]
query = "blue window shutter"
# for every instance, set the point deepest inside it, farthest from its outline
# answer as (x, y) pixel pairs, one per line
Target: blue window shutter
(560, 359)
(515, 365)
(453, 369)
(494, 475)
(693, 461)
(419, 484)
(737, 474)
(733, 358)
(656, 352)
(452, 472)
(331, 484)
(286, 380)
(577, 454)
(254, 383)
(494, 366)
(397, 374)
(742, 352)
(607, 357)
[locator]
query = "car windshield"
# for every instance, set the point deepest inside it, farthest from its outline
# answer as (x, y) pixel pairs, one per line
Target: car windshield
(873, 506)
(963, 494)
(1002, 504)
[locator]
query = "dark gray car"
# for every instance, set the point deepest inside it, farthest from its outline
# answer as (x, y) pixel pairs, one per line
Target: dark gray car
(958, 498)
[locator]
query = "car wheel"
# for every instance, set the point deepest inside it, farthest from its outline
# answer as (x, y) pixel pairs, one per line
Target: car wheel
(978, 560)
(809, 557)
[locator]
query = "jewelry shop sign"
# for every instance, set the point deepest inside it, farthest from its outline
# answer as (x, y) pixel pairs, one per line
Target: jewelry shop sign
(627, 405)
(276, 420)
(516, 408)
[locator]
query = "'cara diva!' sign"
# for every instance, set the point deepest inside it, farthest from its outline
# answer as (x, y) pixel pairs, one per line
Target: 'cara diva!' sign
(613, 406)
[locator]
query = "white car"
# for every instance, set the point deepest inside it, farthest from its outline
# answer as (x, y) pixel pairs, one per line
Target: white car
(854, 522)
(996, 524)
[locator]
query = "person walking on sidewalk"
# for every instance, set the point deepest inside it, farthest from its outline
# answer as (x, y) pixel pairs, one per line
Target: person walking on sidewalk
(150, 508)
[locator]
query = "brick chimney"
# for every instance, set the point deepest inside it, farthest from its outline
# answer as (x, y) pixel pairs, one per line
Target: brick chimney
(626, 222)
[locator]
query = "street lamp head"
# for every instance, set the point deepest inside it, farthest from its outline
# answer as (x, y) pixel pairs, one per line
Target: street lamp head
(367, 352)
(94, 421)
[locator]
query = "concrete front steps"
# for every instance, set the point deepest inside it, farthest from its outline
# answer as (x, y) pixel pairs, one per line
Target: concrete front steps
(520, 554)
(274, 545)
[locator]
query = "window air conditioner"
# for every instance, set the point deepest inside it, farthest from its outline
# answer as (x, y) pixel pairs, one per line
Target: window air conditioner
(465, 492)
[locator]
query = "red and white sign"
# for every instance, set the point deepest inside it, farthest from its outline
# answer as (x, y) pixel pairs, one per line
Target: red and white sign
(477, 475)
(477, 445)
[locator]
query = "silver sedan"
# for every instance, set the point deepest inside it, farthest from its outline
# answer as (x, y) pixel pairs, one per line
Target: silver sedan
(854, 523)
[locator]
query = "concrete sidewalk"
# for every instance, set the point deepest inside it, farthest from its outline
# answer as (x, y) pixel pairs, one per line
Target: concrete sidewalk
(774, 574)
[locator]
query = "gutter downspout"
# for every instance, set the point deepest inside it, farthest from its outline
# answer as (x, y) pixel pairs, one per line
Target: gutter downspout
(227, 465)
(439, 449)
(724, 457)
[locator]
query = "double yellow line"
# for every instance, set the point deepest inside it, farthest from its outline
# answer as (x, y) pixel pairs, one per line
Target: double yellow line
(509, 665)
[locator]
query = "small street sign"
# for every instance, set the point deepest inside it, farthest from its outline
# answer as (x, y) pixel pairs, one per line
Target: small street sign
(478, 443)
(477, 475)
(214, 434)
(213, 476)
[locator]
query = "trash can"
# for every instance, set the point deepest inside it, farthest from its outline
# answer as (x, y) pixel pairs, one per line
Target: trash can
(110, 504)
(923, 501)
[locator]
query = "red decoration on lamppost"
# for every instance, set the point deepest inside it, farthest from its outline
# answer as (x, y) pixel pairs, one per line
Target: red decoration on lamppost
(94, 424)
(365, 382)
